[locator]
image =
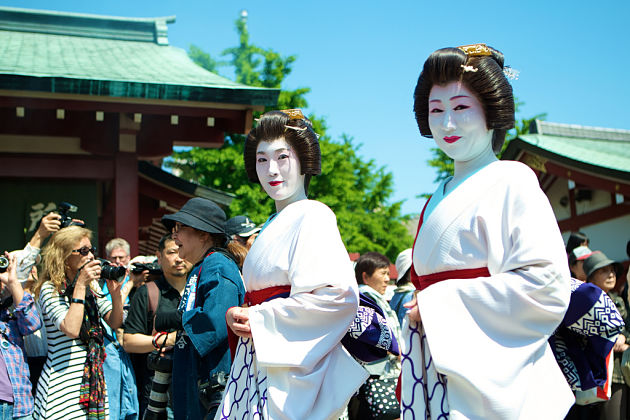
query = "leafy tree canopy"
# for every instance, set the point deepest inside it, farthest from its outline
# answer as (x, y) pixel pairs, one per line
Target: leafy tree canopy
(356, 190)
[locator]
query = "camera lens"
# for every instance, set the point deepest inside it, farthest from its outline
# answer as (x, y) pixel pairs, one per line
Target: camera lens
(112, 272)
(4, 263)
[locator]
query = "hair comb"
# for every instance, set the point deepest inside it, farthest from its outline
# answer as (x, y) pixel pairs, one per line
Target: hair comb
(475, 50)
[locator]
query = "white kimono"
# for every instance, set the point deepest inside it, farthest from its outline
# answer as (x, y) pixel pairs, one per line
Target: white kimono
(484, 339)
(296, 367)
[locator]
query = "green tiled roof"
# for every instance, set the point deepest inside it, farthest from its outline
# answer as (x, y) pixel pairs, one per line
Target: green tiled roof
(95, 55)
(599, 149)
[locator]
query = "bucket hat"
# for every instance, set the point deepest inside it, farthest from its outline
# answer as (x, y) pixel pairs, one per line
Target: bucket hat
(598, 260)
(198, 213)
(241, 226)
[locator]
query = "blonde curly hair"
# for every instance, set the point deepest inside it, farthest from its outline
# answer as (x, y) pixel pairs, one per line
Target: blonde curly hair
(55, 254)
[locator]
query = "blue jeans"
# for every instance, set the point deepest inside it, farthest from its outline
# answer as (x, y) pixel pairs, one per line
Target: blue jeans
(6, 412)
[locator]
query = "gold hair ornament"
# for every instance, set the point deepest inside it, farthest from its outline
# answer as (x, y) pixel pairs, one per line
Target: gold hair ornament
(294, 114)
(475, 50)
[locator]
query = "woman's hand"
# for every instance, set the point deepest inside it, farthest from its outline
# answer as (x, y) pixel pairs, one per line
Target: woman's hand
(10, 281)
(89, 272)
(620, 344)
(413, 312)
(237, 319)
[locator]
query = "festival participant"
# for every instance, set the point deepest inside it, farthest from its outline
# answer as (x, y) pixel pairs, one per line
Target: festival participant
(488, 260)
(603, 272)
(302, 297)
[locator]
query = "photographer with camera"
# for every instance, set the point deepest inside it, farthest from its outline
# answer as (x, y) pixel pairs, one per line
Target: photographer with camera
(153, 321)
(72, 382)
(122, 390)
(18, 318)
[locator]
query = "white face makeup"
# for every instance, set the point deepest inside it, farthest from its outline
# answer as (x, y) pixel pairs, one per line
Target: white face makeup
(458, 123)
(278, 170)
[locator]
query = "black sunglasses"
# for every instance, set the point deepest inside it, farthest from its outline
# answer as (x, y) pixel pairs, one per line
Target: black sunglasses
(85, 250)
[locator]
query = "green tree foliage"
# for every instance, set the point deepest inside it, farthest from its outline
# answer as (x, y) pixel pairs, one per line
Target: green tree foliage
(356, 190)
(444, 165)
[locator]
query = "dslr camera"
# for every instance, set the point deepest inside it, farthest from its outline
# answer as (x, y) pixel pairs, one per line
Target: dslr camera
(112, 272)
(154, 268)
(63, 209)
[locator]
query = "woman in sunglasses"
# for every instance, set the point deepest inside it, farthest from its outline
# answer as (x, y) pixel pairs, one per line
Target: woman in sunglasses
(201, 355)
(72, 384)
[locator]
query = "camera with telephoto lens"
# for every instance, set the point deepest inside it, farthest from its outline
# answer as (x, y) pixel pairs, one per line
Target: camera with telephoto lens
(4, 263)
(153, 268)
(63, 209)
(112, 272)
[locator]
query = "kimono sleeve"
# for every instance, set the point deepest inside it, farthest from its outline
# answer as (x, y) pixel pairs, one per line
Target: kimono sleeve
(217, 291)
(300, 330)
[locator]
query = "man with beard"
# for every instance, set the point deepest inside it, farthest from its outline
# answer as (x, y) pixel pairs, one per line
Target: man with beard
(146, 328)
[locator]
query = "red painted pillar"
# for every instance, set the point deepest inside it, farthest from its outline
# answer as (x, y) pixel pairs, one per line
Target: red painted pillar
(126, 199)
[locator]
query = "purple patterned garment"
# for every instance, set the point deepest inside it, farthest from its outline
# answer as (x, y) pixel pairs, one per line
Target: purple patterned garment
(586, 336)
(370, 338)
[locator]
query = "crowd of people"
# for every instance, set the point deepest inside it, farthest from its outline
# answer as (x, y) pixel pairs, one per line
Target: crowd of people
(489, 316)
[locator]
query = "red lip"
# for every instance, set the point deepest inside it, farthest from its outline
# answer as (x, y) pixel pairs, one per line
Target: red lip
(451, 139)
(275, 183)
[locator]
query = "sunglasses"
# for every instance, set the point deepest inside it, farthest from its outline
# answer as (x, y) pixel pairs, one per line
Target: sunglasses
(85, 250)
(177, 227)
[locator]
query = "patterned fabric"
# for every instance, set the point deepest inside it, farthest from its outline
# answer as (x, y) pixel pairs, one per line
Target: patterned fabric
(370, 336)
(430, 386)
(388, 312)
(377, 400)
(586, 336)
(14, 324)
(92, 390)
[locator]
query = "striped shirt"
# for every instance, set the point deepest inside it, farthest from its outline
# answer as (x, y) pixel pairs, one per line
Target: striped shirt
(59, 384)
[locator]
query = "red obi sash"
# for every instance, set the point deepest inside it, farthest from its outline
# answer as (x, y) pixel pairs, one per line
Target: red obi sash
(257, 297)
(263, 295)
(422, 282)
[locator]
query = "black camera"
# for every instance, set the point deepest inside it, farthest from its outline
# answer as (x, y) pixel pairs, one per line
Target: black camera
(63, 209)
(112, 272)
(154, 268)
(4, 263)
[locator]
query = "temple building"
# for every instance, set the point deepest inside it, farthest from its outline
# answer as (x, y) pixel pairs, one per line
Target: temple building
(90, 105)
(585, 172)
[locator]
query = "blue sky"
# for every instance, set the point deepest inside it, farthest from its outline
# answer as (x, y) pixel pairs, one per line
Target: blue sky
(362, 60)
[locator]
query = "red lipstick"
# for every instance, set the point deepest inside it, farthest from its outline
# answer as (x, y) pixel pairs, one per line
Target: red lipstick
(451, 139)
(275, 183)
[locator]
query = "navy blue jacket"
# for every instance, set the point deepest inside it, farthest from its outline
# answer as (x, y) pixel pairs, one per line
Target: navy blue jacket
(219, 287)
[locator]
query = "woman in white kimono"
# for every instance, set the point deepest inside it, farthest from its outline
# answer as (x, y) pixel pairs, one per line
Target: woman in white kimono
(488, 261)
(301, 294)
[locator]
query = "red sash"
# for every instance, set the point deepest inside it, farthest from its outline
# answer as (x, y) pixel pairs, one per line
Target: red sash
(422, 282)
(255, 298)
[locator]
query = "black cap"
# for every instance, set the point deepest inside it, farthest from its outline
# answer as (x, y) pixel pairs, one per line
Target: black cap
(241, 226)
(198, 213)
(598, 260)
